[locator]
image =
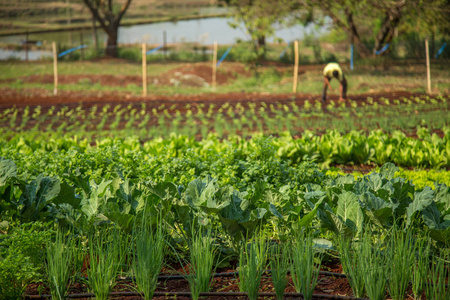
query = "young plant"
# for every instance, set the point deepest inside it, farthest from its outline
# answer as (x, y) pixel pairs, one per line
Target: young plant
(60, 264)
(279, 265)
(106, 253)
(400, 262)
(252, 262)
(420, 267)
(148, 257)
(352, 265)
(437, 275)
(374, 268)
(305, 272)
(202, 253)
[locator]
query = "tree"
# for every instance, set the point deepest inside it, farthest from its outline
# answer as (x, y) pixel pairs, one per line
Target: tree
(376, 21)
(109, 16)
(258, 18)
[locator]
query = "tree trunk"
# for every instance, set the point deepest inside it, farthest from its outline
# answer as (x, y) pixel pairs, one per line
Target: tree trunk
(387, 29)
(111, 45)
(261, 41)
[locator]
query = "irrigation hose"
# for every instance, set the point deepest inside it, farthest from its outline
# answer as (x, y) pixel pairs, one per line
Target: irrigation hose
(207, 294)
(174, 277)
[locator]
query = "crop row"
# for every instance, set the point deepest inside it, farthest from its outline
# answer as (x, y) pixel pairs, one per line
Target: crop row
(51, 152)
(358, 217)
(153, 120)
(343, 205)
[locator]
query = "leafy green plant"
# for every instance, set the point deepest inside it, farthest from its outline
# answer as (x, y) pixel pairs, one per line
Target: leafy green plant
(304, 265)
(107, 252)
(202, 254)
(16, 272)
(252, 262)
(400, 261)
(28, 241)
(148, 256)
(420, 267)
(352, 264)
(437, 275)
(374, 267)
(279, 266)
(62, 256)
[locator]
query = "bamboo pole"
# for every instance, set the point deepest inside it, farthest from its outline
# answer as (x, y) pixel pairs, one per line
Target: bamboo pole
(294, 88)
(214, 66)
(144, 69)
(55, 69)
(427, 53)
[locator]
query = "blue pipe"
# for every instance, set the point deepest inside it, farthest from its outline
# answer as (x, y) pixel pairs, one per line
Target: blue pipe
(382, 49)
(71, 50)
(351, 57)
(285, 49)
(153, 50)
(440, 50)
(223, 56)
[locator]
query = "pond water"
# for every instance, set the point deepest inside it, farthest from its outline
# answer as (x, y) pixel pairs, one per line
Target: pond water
(202, 31)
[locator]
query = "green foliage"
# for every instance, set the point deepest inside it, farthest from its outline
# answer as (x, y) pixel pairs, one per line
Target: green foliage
(252, 263)
(420, 268)
(202, 256)
(374, 267)
(149, 253)
(351, 259)
(107, 251)
(401, 261)
(21, 252)
(16, 272)
(304, 265)
(437, 276)
(279, 266)
(64, 256)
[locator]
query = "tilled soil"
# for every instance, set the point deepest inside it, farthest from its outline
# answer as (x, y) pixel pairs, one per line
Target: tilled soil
(328, 285)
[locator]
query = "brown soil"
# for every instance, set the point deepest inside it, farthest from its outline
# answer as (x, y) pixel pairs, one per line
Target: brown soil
(34, 97)
(328, 285)
(197, 70)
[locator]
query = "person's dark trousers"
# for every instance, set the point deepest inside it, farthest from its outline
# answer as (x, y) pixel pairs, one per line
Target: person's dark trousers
(324, 93)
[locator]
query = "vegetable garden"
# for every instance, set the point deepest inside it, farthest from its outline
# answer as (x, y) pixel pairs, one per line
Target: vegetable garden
(234, 199)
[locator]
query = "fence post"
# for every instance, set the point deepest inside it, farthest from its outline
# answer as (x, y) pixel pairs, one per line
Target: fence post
(427, 53)
(144, 69)
(214, 68)
(55, 69)
(294, 88)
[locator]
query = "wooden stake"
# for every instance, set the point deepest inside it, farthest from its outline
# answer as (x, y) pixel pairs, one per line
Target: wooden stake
(55, 69)
(144, 69)
(214, 67)
(427, 53)
(294, 88)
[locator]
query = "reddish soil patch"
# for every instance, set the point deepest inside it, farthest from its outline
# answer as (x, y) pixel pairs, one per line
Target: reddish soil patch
(191, 74)
(34, 97)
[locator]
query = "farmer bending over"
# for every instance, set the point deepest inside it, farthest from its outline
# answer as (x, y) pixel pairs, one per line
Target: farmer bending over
(334, 70)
